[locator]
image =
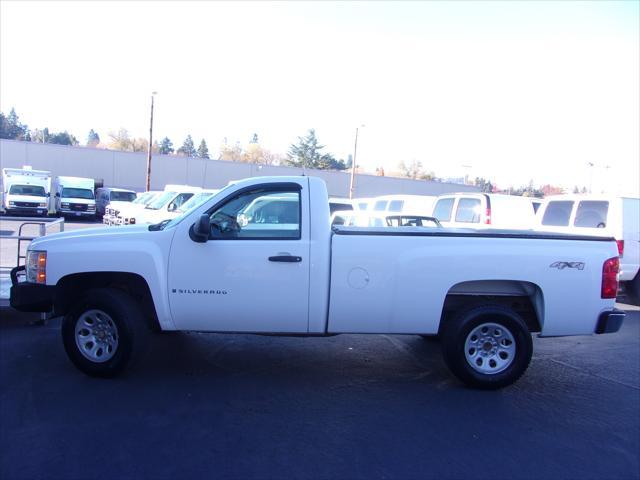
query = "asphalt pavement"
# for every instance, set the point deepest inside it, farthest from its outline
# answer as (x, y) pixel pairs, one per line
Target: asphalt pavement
(349, 406)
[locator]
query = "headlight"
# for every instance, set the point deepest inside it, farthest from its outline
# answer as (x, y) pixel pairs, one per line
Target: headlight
(36, 266)
(42, 204)
(132, 221)
(64, 205)
(12, 203)
(91, 207)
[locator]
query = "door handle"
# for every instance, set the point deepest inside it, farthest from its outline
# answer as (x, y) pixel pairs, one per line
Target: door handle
(285, 258)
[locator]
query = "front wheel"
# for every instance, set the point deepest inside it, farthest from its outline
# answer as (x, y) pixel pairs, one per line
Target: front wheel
(487, 347)
(103, 332)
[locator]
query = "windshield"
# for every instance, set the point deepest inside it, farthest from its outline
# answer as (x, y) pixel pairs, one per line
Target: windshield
(179, 218)
(122, 196)
(161, 201)
(194, 201)
(143, 197)
(32, 190)
(77, 193)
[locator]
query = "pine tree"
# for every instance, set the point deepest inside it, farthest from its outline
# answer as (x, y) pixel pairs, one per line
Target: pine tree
(166, 147)
(306, 153)
(254, 139)
(187, 149)
(203, 151)
(11, 128)
(93, 138)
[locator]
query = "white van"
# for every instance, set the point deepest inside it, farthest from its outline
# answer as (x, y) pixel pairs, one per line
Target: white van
(599, 215)
(75, 197)
(484, 210)
(25, 191)
(405, 204)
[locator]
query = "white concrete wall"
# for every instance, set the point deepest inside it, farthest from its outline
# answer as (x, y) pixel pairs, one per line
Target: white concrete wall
(128, 170)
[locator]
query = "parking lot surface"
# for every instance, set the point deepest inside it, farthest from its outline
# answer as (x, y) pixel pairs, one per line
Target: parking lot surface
(351, 406)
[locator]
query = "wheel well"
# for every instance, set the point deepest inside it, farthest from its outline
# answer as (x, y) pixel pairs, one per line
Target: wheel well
(71, 287)
(524, 298)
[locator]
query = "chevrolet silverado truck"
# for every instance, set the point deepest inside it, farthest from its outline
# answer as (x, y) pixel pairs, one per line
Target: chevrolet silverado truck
(260, 256)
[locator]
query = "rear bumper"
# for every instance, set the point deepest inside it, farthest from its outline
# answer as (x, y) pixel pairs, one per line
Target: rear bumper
(610, 322)
(30, 297)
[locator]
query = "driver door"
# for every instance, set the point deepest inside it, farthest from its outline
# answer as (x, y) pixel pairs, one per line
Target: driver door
(252, 275)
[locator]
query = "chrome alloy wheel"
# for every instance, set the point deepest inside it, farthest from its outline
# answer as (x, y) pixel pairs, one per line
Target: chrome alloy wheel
(96, 336)
(490, 348)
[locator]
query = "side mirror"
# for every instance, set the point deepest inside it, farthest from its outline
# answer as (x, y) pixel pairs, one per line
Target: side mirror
(172, 207)
(201, 230)
(58, 194)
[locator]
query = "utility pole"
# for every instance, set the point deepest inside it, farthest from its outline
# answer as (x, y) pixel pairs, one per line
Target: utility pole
(353, 164)
(150, 144)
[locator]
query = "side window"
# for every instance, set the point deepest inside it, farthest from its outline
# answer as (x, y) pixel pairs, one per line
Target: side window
(468, 210)
(443, 208)
(178, 201)
(259, 214)
(380, 205)
(591, 214)
(557, 214)
(396, 205)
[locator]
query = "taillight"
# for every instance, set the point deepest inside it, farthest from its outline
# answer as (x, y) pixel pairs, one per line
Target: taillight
(610, 270)
(487, 216)
(620, 247)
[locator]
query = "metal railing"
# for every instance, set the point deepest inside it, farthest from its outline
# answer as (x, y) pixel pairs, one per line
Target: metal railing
(43, 226)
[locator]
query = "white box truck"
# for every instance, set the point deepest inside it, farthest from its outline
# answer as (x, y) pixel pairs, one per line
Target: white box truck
(25, 191)
(75, 197)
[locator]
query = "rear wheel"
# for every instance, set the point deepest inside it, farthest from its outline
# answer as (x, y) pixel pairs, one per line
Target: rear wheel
(104, 332)
(487, 347)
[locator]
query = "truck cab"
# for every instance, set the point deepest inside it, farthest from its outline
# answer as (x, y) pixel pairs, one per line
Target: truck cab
(25, 191)
(75, 197)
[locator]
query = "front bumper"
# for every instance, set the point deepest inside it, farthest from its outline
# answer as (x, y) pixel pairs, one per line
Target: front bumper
(30, 297)
(27, 210)
(78, 213)
(610, 322)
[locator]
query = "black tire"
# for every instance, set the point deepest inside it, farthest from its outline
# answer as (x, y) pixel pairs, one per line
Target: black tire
(633, 289)
(454, 334)
(132, 331)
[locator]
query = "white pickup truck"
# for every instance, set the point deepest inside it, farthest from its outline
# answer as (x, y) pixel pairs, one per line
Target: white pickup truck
(260, 256)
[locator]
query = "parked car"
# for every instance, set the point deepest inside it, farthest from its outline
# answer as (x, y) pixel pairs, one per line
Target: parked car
(484, 210)
(340, 205)
(112, 212)
(364, 219)
(113, 197)
(260, 257)
(25, 191)
(405, 204)
(169, 201)
(599, 215)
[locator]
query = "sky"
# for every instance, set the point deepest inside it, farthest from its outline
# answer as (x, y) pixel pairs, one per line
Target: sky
(510, 91)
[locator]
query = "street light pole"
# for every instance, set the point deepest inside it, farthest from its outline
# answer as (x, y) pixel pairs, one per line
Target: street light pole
(353, 164)
(150, 144)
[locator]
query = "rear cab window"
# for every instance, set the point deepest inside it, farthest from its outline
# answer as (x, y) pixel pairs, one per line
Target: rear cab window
(557, 213)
